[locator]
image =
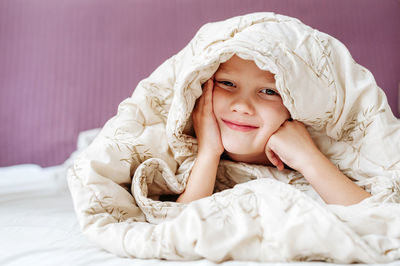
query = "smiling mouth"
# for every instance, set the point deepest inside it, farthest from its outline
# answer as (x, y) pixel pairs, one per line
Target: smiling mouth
(239, 126)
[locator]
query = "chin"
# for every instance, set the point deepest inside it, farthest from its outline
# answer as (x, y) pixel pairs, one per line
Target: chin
(234, 148)
(240, 149)
(243, 152)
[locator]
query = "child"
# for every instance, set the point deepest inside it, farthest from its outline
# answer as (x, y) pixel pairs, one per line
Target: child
(241, 112)
(263, 75)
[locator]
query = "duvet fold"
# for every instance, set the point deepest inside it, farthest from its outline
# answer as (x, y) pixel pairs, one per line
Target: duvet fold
(146, 151)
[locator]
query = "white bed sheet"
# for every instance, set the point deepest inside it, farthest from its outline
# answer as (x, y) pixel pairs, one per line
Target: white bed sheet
(38, 225)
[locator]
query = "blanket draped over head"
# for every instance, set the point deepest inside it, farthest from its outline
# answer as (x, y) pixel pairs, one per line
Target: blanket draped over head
(257, 212)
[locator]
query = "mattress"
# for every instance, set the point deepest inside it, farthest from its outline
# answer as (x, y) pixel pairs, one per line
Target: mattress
(38, 225)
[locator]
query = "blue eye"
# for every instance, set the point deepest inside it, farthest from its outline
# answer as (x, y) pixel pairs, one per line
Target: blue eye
(227, 83)
(268, 92)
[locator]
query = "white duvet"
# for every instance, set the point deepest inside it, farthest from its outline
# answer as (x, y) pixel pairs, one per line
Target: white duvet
(257, 212)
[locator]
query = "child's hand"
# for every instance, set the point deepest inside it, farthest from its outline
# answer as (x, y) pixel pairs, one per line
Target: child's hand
(205, 124)
(292, 145)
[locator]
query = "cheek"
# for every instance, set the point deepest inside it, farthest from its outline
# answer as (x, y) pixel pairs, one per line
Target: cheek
(282, 111)
(285, 113)
(218, 102)
(274, 115)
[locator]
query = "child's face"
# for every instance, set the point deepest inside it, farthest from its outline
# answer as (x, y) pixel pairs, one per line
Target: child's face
(247, 107)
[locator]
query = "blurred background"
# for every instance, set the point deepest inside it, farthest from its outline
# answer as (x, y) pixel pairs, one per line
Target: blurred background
(65, 65)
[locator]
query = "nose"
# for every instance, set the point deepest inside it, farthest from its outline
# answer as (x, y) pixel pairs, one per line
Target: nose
(242, 104)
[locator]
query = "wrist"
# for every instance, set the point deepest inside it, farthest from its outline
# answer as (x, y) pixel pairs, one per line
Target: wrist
(208, 155)
(209, 152)
(313, 164)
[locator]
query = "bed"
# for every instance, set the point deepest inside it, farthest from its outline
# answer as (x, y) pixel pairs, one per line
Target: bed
(61, 73)
(38, 225)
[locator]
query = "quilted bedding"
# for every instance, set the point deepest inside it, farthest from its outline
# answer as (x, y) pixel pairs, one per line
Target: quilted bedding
(119, 184)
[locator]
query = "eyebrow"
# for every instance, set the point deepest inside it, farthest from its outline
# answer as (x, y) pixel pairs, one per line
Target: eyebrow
(224, 69)
(271, 78)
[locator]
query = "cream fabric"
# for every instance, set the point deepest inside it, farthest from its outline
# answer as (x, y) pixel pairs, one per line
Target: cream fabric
(148, 149)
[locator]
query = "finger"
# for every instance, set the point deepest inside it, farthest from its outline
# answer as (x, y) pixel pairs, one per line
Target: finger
(206, 87)
(274, 159)
(278, 162)
(271, 156)
(199, 107)
(200, 101)
(280, 165)
(208, 96)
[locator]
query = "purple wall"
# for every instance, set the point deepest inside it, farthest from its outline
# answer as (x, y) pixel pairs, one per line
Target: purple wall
(66, 64)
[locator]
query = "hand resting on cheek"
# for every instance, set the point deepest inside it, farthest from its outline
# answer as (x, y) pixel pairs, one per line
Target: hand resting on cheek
(291, 144)
(205, 124)
(202, 177)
